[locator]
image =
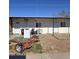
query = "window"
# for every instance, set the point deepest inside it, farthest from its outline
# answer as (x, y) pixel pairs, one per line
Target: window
(63, 24)
(38, 24)
(17, 22)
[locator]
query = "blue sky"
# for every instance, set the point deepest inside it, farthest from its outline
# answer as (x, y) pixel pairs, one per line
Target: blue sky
(38, 7)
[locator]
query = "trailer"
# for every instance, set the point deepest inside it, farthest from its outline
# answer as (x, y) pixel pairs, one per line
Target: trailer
(21, 46)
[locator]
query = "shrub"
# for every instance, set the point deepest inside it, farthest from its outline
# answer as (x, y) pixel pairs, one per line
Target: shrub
(37, 48)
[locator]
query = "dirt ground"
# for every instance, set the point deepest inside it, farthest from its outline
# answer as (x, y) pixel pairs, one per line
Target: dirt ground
(54, 47)
(49, 56)
(56, 43)
(52, 44)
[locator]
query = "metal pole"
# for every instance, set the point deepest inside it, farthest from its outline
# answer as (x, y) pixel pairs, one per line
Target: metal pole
(53, 27)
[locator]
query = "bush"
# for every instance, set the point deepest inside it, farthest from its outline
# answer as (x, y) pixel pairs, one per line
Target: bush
(37, 48)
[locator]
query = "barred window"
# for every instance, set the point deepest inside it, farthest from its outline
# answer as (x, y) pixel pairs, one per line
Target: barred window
(63, 24)
(38, 24)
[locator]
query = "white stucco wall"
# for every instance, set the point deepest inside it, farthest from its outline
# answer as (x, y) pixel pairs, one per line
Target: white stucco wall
(64, 30)
(16, 31)
(50, 30)
(45, 30)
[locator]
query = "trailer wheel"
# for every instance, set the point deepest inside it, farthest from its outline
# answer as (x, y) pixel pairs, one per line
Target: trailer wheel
(19, 48)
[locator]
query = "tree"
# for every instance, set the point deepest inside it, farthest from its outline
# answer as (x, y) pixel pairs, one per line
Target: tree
(64, 13)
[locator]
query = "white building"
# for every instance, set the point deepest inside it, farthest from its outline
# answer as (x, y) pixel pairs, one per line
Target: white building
(43, 25)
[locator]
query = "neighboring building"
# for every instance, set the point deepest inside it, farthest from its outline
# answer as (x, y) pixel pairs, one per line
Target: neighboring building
(43, 24)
